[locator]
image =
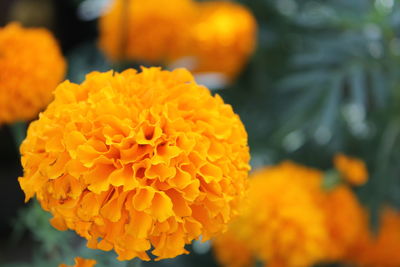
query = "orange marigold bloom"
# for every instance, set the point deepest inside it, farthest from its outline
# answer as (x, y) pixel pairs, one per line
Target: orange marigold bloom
(283, 223)
(346, 220)
(386, 247)
(383, 249)
(223, 38)
(358, 253)
(81, 262)
(151, 31)
(133, 161)
(352, 169)
(31, 66)
(231, 251)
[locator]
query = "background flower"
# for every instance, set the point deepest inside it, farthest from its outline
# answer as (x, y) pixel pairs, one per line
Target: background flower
(381, 248)
(151, 31)
(283, 223)
(292, 220)
(212, 39)
(346, 220)
(352, 169)
(31, 66)
(231, 251)
(135, 161)
(223, 38)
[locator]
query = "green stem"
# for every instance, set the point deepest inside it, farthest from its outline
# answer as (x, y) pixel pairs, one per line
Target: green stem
(18, 131)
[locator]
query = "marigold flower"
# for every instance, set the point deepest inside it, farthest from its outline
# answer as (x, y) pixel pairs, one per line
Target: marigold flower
(383, 249)
(152, 31)
(346, 220)
(133, 161)
(358, 253)
(223, 38)
(352, 169)
(81, 262)
(284, 224)
(31, 66)
(231, 251)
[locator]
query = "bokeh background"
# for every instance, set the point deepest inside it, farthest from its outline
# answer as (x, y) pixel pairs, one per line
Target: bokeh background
(324, 79)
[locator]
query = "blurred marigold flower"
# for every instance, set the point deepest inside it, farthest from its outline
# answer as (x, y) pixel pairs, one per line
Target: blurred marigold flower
(137, 161)
(223, 38)
(346, 219)
(81, 262)
(386, 247)
(151, 31)
(352, 169)
(283, 223)
(31, 67)
(381, 250)
(291, 221)
(231, 251)
(212, 39)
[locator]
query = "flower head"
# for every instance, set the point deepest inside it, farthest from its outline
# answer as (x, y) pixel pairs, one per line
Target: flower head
(352, 169)
(133, 161)
(223, 38)
(346, 221)
(31, 66)
(283, 223)
(385, 250)
(151, 31)
(81, 262)
(381, 250)
(231, 251)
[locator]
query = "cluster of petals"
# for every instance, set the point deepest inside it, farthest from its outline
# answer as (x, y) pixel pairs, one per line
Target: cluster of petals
(346, 219)
(151, 31)
(205, 37)
(137, 162)
(223, 38)
(282, 222)
(81, 262)
(291, 221)
(231, 250)
(352, 169)
(31, 67)
(379, 249)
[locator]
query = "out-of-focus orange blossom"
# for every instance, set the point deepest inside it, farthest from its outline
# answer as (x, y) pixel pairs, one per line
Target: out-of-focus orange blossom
(346, 221)
(380, 249)
(223, 38)
(352, 169)
(291, 220)
(232, 251)
(214, 38)
(152, 31)
(31, 67)
(283, 224)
